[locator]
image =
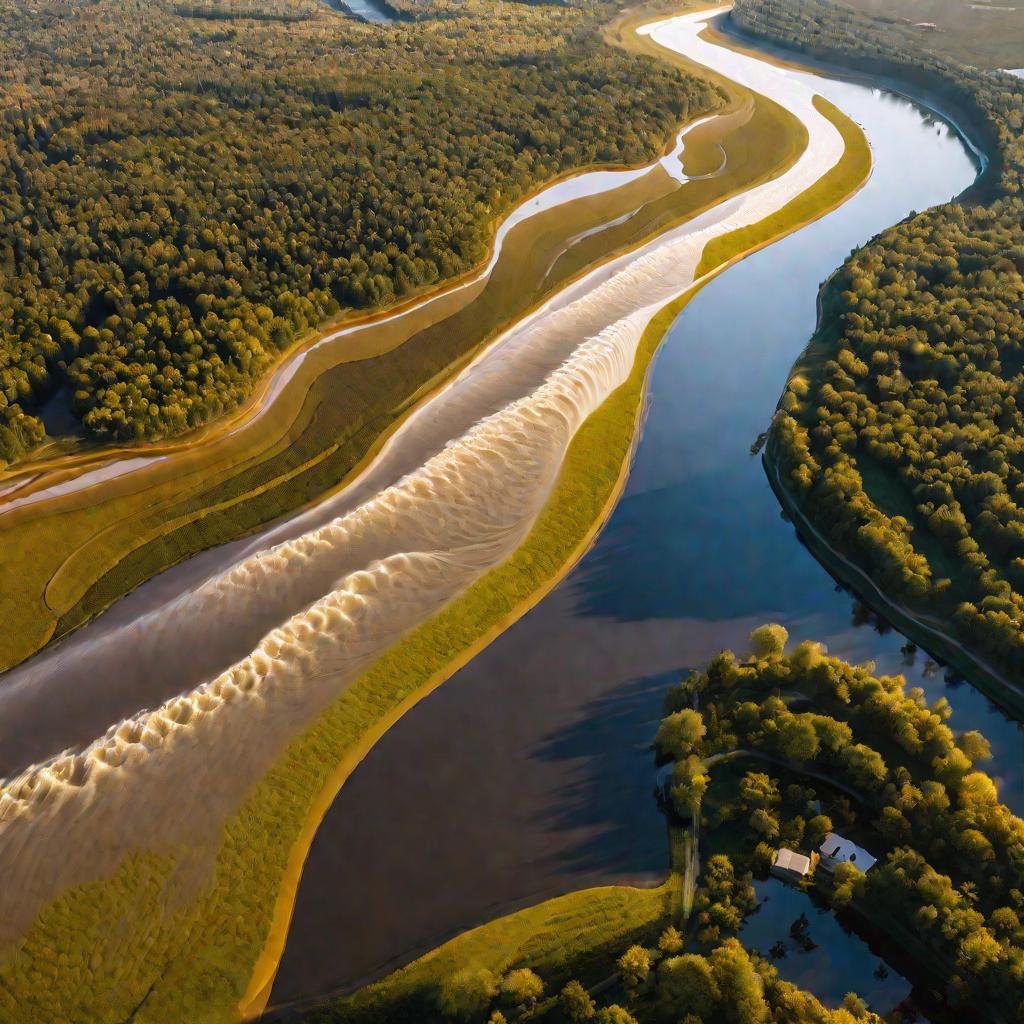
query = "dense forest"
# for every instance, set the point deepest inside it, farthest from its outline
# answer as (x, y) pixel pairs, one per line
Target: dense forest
(900, 432)
(184, 187)
(779, 750)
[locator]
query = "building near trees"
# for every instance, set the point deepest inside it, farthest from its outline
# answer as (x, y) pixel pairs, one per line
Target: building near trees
(791, 866)
(837, 850)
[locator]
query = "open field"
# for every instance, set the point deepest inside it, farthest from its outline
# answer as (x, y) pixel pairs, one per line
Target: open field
(985, 33)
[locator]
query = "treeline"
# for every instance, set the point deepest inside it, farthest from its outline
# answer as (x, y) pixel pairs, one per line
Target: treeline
(875, 761)
(260, 10)
(663, 983)
(901, 441)
(180, 199)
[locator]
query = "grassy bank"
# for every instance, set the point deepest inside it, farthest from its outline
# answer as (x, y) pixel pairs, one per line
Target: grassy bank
(145, 945)
(74, 555)
(575, 936)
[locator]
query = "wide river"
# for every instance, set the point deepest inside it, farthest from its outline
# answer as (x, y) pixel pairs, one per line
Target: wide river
(530, 772)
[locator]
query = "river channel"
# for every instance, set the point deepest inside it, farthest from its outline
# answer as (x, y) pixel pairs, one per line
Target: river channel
(530, 773)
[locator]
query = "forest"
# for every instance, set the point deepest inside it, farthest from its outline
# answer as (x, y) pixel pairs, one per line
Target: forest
(899, 432)
(776, 748)
(186, 188)
(823, 744)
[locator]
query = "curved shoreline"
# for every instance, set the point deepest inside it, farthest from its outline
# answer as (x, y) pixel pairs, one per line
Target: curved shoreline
(637, 368)
(921, 96)
(270, 383)
(986, 677)
(981, 673)
(262, 980)
(110, 554)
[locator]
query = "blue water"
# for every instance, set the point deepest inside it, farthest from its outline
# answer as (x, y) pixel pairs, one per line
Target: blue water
(530, 772)
(368, 10)
(833, 960)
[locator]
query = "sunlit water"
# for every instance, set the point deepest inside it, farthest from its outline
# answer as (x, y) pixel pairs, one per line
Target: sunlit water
(529, 773)
(273, 638)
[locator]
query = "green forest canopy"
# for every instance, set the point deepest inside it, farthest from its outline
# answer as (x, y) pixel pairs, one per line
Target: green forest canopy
(181, 195)
(900, 437)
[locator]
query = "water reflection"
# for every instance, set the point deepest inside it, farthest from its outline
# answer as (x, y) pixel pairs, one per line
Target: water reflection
(529, 772)
(811, 949)
(367, 10)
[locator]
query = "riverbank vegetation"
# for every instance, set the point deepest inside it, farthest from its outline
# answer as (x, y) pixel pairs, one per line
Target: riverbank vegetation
(182, 198)
(69, 557)
(987, 34)
(897, 433)
(872, 758)
(811, 744)
(201, 951)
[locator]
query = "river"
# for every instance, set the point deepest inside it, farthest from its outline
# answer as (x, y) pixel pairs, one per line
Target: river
(529, 773)
(450, 495)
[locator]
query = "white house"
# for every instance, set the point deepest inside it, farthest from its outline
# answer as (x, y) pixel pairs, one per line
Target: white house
(837, 850)
(790, 865)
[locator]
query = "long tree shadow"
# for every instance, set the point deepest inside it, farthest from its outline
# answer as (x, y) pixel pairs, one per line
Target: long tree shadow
(701, 549)
(611, 805)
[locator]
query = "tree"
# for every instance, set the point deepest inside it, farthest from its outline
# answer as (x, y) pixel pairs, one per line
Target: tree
(689, 783)
(614, 1014)
(521, 987)
(768, 642)
(679, 734)
(575, 1003)
(764, 823)
(741, 986)
(797, 739)
(670, 941)
(759, 790)
(687, 984)
(634, 966)
(817, 828)
(467, 993)
(865, 766)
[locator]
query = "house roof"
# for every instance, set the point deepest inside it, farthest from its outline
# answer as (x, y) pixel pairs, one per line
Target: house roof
(840, 850)
(789, 860)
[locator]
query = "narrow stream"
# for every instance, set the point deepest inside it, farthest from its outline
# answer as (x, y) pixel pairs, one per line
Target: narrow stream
(529, 773)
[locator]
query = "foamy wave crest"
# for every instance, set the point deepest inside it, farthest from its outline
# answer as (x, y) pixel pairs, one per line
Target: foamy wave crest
(418, 544)
(342, 592)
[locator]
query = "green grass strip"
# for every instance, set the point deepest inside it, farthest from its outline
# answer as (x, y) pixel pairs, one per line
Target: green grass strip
(151, 944)
(574, 936)
(833, 189)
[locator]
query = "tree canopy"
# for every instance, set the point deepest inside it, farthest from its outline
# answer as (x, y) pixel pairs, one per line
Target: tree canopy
(899, 436)
(182, 194)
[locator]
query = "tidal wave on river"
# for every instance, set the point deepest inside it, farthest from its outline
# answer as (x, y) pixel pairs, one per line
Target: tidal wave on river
(316, 609)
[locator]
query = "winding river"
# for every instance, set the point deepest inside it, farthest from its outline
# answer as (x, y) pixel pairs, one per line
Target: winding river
(529, 773)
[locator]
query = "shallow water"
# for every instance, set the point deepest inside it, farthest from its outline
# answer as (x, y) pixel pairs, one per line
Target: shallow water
(375, 13)
(529, 773)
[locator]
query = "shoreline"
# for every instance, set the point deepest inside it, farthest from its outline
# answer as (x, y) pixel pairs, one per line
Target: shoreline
(92, 591)
(262, 980)
(979, 672)
(279, 801)
(961, 120)
(246, 410)
(984, 677)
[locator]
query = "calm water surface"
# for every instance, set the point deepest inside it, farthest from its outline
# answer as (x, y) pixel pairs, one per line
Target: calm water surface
(368, 10)
(810, 948)
(529, 773)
